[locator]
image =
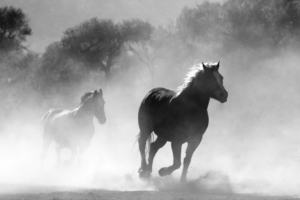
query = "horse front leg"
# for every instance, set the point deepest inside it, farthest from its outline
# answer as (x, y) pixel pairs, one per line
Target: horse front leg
(192, 146)
(176, 149)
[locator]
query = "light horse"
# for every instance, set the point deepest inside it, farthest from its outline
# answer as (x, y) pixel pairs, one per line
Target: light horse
(73, 129)
(178, 116)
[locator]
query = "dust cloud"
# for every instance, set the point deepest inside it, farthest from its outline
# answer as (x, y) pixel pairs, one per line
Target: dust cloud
(253, 139)
(251, 145)
(111, 162)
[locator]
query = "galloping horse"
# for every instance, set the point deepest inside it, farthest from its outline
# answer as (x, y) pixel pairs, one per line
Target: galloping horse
(178, 116)
(73, 129)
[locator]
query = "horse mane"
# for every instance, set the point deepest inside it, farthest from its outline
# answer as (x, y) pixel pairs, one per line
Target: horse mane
(195, 72)
(85, 96)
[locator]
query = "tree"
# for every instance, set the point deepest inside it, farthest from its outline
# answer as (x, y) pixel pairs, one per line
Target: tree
(98, 43)
(202, 23)
(242, 23)
(57, 71)
(14, 28)
(166, 52)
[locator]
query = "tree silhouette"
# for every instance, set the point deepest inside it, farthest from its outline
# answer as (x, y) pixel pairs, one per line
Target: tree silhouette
(245, 23)
(98, 43)
(14, 28)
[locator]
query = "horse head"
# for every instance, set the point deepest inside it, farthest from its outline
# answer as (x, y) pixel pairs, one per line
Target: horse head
(212, 82)
(98, 106)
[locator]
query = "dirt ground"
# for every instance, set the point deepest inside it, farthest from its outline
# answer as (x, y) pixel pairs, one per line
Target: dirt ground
(13, 192)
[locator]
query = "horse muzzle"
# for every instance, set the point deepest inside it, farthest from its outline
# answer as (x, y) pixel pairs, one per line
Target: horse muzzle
(222, 97)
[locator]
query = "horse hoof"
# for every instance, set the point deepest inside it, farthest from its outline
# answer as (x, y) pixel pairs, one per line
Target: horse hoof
(163, 172)
(144, 175)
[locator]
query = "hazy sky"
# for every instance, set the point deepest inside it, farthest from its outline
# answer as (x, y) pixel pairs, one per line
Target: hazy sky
(49, 18)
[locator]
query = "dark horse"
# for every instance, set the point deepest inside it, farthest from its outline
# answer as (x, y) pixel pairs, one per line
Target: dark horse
(178, 116)
(73, 129)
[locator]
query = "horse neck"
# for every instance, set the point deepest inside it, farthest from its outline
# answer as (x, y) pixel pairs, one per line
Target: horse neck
(191, 97)
(83, 111)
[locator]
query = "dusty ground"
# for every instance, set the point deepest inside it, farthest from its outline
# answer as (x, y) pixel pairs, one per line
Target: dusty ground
(12, 192)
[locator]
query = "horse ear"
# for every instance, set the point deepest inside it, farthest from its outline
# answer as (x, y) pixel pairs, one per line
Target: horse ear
(100, 91)
(204, 67)
(218, 66)
(95, 93)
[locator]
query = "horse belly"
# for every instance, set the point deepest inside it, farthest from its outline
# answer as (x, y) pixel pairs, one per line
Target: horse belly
(72, 135)
(181, 129)
(73, 139)
(172, 136)
(171, 132)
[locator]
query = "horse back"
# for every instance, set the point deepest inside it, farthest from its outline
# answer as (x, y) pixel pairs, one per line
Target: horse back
(49, 115)
(156, 99)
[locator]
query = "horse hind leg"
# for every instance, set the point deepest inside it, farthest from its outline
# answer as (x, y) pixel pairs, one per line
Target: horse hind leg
(154, 147)
(176, 149)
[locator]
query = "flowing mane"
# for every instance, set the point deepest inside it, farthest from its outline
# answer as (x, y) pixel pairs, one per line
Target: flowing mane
(85, 96)
(195, 72)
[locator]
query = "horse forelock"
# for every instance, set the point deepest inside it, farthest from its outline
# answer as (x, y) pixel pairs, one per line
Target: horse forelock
(210, 64)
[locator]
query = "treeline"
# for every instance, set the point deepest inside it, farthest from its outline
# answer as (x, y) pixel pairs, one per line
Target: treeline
(134, 53)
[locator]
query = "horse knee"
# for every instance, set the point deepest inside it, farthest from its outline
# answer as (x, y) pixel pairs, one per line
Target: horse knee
(177, 164)
(187, 160)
